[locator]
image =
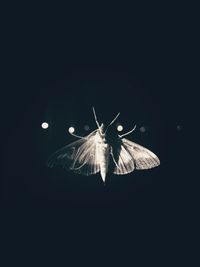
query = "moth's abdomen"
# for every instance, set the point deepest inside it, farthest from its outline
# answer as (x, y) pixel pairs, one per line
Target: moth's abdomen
(102, 153)
(103, 159)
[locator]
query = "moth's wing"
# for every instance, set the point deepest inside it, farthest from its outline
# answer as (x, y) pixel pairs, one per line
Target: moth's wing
(128, 156)
(122, 159)
(79, 156)
(143, 157)
(65, 156)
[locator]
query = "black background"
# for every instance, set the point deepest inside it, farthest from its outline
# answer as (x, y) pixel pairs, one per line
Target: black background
(58, 68)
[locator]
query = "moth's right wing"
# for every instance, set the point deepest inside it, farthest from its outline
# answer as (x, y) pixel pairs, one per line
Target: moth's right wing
(79, 156)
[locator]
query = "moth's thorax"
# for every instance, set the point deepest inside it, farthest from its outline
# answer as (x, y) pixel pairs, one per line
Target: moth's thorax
(101, 137)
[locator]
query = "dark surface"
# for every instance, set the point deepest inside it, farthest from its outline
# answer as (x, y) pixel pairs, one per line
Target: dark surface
(50, 79)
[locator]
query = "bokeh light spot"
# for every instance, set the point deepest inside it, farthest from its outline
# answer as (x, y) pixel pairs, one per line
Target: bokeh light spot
(120, 128)
(71, 129)
(142, 129)
(86, 127)
(45, 125)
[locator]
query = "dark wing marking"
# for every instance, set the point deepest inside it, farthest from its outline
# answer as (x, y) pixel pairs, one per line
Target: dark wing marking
(143, 158)
(79, 156)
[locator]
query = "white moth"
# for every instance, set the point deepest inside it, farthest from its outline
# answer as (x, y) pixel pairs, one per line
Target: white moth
(97, 152)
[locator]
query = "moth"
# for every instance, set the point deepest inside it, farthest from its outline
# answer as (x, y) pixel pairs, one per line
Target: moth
(101, 152)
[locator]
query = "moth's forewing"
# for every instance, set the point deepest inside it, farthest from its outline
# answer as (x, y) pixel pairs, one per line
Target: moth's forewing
(65, 156)
(79, 156)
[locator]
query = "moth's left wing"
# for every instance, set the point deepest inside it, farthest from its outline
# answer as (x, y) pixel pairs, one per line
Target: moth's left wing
(79, 156)
(128, 156)
(122, 159)
(143, 157)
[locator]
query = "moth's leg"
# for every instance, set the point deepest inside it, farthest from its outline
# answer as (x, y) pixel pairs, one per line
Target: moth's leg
(80, 137)
(120, 136)
(111, 152)
(95, 117)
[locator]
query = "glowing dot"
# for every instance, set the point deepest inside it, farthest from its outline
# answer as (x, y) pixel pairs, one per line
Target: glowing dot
(120, 128)
(86, 127)
(142, 129)
(45, 125)
(71, 129)
(179, 127)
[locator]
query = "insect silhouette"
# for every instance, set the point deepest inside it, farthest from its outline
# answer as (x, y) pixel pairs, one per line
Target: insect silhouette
(101, 152)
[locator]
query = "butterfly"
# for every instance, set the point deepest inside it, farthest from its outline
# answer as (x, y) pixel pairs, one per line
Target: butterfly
(98, 152)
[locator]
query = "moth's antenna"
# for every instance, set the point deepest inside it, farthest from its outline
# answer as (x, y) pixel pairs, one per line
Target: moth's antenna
(95, 117)
(113, 121)
(128, 132)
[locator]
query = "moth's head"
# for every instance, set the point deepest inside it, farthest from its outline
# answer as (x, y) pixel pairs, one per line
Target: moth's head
(101, 127)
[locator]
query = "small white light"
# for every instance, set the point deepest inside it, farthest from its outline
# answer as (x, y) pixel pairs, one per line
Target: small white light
(71, 129)
(142, 129)
(45, 125)
(120, 128)
(86, 127)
